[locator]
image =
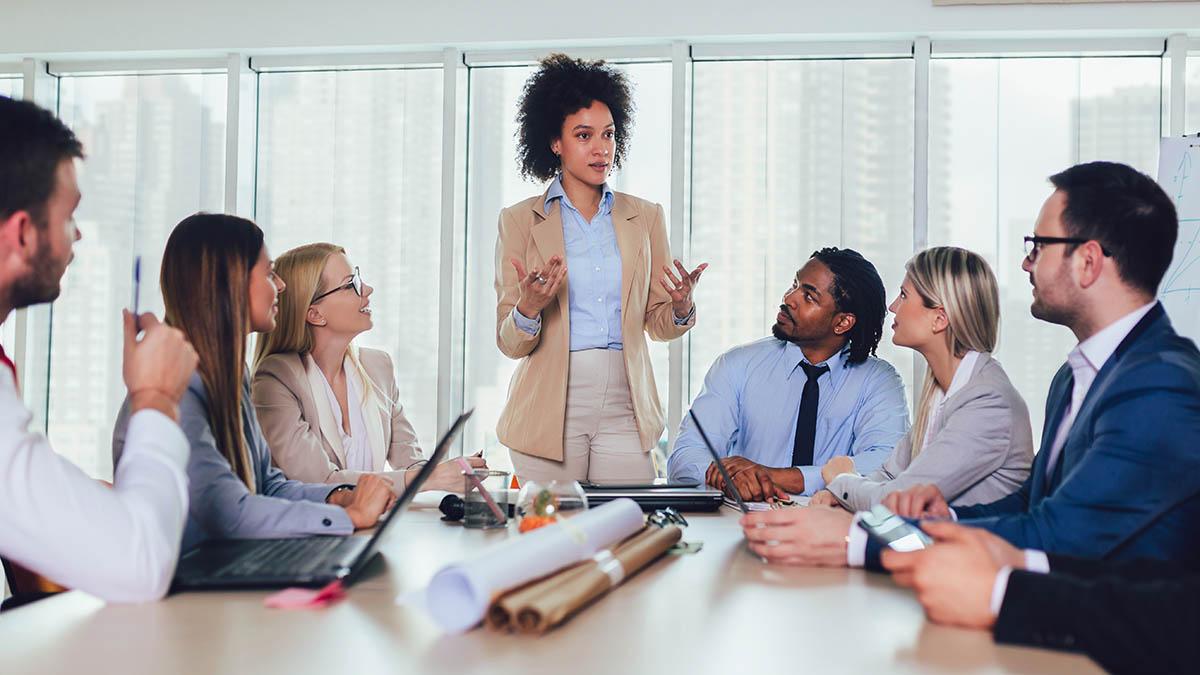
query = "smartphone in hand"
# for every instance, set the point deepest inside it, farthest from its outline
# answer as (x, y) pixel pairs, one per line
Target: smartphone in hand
(892, 531)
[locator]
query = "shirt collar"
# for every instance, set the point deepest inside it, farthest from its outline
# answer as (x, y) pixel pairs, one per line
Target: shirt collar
(555, 191)
(836, 363)
(1100, 347)
(962, 374)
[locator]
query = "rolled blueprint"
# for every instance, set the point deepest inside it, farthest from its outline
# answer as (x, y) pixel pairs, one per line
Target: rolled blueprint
(542, 605)
(458, 596)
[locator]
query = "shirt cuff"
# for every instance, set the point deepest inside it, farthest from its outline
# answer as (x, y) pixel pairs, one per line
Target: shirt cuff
(813, 482)
(151, 429)
(679, 321)
(527, 325)
(1037, 561)
(999, 587)
(856, 544)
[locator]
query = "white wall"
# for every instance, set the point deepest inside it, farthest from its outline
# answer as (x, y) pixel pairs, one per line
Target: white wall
(92, 27)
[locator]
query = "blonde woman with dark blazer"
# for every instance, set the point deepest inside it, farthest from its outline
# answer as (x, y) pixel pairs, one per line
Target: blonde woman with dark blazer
(582, 276)
(328, 409)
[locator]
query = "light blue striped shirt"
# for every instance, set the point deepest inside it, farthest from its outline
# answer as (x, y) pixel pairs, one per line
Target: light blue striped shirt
(751, 398)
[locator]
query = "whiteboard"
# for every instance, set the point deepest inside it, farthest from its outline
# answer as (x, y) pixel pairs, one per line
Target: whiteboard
(1179, 175)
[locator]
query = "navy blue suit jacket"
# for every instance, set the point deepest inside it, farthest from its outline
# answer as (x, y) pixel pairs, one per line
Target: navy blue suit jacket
(1127, 481)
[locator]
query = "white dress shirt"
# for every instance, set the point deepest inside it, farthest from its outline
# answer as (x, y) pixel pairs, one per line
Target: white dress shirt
(119, 544)
(356, 444)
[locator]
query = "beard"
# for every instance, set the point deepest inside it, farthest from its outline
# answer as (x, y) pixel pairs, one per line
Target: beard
(777, 331)
(42, 284)
(1061, 312)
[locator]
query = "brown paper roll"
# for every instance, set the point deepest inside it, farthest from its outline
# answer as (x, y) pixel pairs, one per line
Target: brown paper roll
(542, 605)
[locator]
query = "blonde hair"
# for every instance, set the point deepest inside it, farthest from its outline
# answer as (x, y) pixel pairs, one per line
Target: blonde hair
(302, 269)
(962, 285)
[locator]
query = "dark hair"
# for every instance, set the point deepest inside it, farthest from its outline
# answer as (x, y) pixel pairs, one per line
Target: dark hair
(205, 278)
(32, 144)
(560, 87)
(1127, 213)
(858, 290)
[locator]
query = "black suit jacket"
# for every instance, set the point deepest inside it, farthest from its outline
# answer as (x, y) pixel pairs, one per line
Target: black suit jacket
(1140, 616)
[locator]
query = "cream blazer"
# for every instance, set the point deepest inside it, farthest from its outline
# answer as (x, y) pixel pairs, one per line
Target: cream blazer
(300, 429)
(533, 416)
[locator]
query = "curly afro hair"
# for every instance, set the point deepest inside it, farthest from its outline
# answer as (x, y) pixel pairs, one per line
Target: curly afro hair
(560, 87)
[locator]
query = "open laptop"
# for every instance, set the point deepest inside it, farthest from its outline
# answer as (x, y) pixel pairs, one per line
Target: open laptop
(309, 561)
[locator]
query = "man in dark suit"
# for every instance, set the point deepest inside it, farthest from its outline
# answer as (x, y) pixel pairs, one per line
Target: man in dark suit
(1118, 475)
(1131, 617)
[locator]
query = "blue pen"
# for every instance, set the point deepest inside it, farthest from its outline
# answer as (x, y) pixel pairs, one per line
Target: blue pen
(137, 283)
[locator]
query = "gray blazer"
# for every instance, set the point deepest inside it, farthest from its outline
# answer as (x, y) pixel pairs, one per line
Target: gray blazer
(979, 450)
(221, 507)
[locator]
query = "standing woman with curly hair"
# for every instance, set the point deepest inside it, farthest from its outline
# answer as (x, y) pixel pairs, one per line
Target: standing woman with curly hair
(583, 274)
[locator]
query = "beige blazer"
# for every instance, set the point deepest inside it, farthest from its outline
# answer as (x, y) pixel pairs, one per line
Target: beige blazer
(532, 420)
(300, 429)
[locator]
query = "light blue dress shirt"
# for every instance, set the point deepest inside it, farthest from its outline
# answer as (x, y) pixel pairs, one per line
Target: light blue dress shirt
(593, 275)
(751, 398)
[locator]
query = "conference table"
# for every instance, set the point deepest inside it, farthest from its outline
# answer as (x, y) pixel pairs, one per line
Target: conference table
(720, 610)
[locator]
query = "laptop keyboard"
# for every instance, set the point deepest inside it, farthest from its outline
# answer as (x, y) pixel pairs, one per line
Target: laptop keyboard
(283, 557)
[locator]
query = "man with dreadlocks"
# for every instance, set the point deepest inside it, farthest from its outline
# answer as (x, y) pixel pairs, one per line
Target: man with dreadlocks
(781, 407)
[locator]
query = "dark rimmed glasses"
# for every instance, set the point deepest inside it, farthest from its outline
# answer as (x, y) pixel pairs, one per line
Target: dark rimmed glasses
(1034, 244)
(354, 283)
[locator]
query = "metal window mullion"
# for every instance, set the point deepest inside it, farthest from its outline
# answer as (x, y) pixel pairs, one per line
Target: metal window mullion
(680, 62)
(921, 55)
(1177, 49)
(241, 122)
(40, 87)
(451, 61)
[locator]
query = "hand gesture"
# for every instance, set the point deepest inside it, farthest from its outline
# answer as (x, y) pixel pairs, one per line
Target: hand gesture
(370, 498)
(538, 287)
(680, 288)
(836, 467)
(812, 537)
(824, 498)
(954, 577)
(920, 501)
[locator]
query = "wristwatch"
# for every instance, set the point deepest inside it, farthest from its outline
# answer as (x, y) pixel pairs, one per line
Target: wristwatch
(334, 491)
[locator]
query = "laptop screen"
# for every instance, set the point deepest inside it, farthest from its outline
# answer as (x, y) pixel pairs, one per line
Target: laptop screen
(414, 486)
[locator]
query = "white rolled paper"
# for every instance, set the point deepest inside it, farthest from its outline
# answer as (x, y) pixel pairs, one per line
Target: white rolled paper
(459, 594)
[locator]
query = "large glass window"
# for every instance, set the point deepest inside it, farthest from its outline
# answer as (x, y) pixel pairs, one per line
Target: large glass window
(354, 158)
(790, 157)
(11, 86)
(1191, 124)
(998, 129)
(494, 183)
(155, 146)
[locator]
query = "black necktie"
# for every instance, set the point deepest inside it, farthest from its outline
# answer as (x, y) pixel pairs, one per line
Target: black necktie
(806, 421)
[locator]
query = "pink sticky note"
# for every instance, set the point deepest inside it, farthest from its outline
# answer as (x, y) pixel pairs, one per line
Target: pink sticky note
(306, 598)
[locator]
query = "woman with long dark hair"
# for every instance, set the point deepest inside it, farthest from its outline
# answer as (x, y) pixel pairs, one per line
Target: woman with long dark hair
(218, 286)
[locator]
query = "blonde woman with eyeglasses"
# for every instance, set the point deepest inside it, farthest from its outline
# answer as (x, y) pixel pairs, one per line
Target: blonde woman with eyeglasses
(971, 435)
(328, 408)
